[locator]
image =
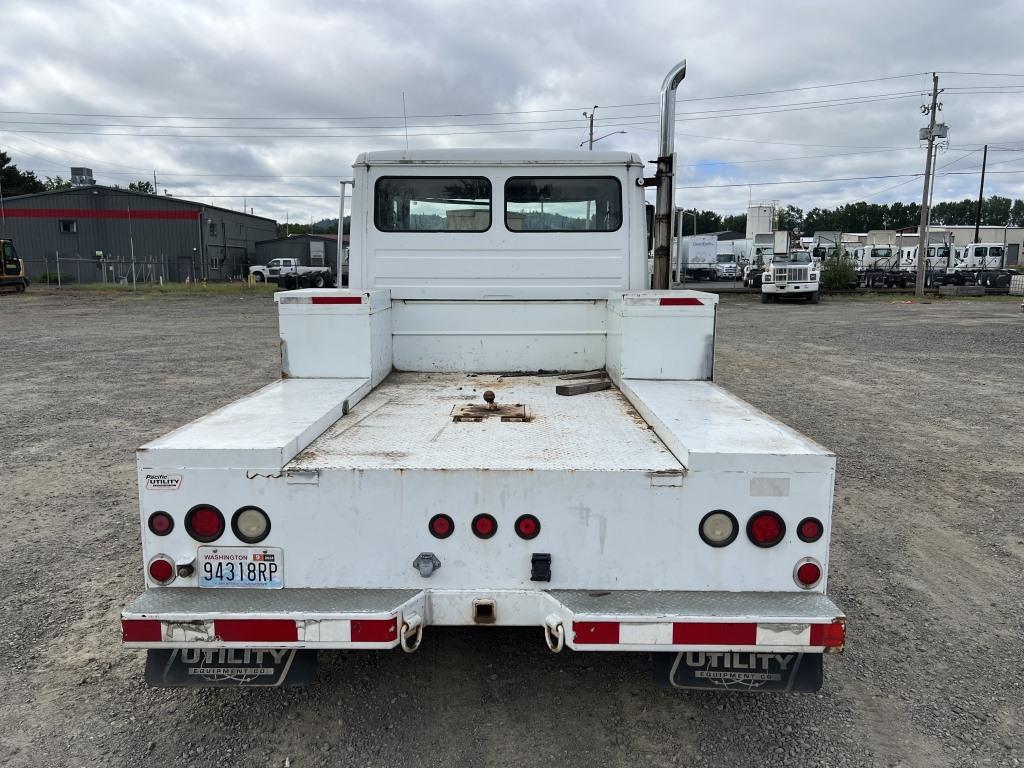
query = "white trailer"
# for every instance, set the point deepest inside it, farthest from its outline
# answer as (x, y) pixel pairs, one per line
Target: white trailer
(418, 464)
(698, 257)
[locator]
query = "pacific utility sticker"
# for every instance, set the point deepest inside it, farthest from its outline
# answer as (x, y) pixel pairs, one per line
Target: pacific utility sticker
(163, 482)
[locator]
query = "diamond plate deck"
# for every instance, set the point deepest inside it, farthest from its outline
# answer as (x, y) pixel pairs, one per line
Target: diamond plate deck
(406, 423)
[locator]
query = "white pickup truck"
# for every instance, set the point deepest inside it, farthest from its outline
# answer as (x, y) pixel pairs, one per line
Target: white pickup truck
(496, 424)
(280, 270)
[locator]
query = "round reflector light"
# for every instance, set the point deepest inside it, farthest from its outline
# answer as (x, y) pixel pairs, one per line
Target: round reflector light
(161, 570)
(250, 524)
(441, 526)
(484, 526)
(718, 528)
(161, 523)
(766, 529)
(204, 523)
(527, 527)
(807, 573)
(810, 529)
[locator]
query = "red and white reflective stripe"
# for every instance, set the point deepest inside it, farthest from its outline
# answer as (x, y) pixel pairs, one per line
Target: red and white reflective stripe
(334, 300)
(708, 634)
(377, 631)
(681, 301)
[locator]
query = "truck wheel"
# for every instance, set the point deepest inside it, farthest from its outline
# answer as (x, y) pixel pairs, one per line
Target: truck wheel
(1002, 282)
(259, 277)
(814, 297)
(764, 298)
(318, 281)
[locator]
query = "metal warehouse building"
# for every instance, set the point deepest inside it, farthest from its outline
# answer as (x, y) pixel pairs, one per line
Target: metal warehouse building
(92, 233)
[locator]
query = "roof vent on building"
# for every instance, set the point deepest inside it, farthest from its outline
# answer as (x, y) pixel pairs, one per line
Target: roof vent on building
(82, 177)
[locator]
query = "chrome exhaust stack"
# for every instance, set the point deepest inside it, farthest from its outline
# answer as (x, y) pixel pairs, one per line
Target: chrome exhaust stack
(665, 177)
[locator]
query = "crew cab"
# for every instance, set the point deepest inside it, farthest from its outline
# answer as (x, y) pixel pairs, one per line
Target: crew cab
(282, 269)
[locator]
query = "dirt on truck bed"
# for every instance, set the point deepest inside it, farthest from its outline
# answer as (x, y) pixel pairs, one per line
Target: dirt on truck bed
(921, 403)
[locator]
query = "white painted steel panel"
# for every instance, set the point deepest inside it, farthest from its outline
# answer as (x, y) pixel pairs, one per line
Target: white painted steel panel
(335, 340)
(498, 336)
(406, 423)
(262, 430)
(649, 341)
(706, 427)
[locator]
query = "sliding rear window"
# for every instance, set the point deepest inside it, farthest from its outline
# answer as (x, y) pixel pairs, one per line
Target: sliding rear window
(432, 204)
(563, 204)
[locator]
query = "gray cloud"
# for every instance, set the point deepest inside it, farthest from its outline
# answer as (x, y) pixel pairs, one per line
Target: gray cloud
(329, 59)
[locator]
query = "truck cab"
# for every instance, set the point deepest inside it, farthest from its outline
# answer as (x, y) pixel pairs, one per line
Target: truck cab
(791, 274)
(496, 424)
(12, 268)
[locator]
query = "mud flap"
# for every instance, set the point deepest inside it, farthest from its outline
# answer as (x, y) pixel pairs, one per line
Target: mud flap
(733, 671)
(230, 667)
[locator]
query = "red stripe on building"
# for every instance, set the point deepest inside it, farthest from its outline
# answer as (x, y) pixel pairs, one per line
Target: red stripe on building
(89, 213)
(374, 630)
(596, 632)
(256, 630)
(712, 633)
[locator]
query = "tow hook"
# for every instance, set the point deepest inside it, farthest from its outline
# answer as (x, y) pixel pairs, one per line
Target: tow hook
(412, 628)
(554, 633)
(426, 563)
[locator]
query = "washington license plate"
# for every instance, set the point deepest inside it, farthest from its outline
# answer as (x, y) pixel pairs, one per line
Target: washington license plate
(241, 567)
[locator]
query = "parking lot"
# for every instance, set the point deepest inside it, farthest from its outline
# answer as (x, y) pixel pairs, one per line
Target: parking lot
(920, 401)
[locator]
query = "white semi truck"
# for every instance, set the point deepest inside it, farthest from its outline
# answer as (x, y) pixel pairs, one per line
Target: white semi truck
(420, 465)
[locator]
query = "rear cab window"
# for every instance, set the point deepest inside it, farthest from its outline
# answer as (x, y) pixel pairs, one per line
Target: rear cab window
(563, 204)
(432, 204)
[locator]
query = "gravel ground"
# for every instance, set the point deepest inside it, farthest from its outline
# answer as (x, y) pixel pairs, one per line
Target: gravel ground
(920, 401)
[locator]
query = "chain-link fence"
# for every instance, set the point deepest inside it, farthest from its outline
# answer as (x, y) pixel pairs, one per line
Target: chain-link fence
(59, 270)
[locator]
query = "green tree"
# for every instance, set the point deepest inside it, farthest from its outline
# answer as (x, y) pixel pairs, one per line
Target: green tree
(14, 182)
(56, 184)
(790, 218)
(142, 186)
(737, 222)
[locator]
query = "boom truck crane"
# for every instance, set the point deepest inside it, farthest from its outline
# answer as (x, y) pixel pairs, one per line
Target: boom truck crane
(418, 465)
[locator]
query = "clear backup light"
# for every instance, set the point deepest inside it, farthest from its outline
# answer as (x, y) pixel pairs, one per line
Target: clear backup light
(718, 528)
(250, 524)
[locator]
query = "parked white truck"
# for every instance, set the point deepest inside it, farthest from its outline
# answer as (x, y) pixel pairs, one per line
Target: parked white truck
(289, 269)
(698, 257)
(419, 465)
(791, 274)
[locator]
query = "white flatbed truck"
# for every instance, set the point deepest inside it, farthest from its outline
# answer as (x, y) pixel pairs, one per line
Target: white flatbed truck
(494, 425)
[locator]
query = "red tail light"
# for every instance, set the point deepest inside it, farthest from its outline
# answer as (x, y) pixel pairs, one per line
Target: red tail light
(484, 526)
(527, 527)
(808, 573)
(161, 570)
(829, 635)
(810, 529)
(204, 523)
(441, 526)
(766, 529)
(161, 523)
(680, 301)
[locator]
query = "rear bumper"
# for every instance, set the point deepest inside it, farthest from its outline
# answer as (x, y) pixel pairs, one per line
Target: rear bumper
(756, 622)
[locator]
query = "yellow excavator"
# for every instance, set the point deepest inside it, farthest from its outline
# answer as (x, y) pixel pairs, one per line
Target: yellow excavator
(12, 269)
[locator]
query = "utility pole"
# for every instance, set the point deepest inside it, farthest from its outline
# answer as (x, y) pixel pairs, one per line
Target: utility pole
(591, 118)
(922, 241)
(981, 195)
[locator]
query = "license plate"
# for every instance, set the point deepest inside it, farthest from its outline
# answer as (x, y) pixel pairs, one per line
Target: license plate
(241, 567)
(733, 671)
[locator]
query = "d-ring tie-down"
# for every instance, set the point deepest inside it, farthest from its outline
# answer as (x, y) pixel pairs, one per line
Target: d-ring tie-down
(554, 633)
(412, 627)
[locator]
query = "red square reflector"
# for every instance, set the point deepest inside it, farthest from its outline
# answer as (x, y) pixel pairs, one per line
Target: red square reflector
(714, 633)
(829, 635)
(681, 301)
(374, 630)
(337, 300)
(141, 631)
(596, 632)
(256, 630)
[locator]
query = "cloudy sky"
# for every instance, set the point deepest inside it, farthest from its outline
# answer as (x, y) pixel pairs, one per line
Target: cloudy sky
(271, 101)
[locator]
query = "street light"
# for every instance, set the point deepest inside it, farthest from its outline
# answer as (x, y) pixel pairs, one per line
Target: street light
(690, 213)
